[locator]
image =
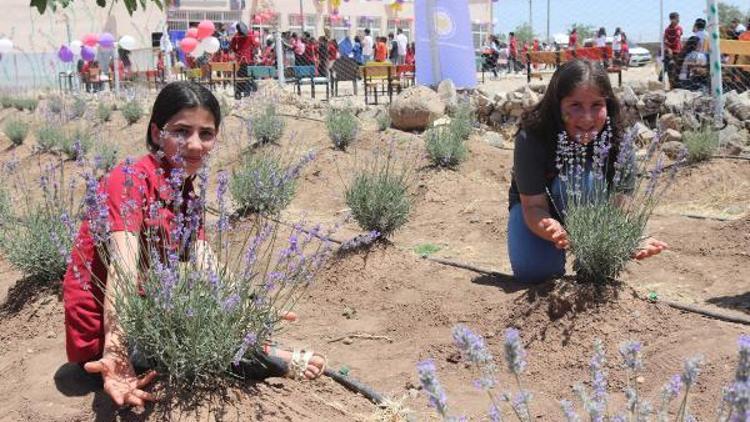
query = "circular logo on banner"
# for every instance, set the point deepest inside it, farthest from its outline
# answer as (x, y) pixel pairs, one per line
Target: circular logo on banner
(444, 25)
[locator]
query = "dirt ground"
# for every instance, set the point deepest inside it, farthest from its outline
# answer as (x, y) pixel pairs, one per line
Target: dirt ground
(408, 305)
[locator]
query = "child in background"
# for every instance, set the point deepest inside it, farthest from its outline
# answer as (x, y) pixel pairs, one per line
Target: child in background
(381, 50)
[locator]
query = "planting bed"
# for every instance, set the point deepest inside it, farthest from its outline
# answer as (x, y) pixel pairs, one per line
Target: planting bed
(403, 307)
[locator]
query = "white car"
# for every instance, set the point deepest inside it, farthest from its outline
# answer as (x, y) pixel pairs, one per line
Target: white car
(639, 56)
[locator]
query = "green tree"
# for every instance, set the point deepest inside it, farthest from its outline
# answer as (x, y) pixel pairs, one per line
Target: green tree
(584, 31)
(524, 33)
(131, 5)
(728, 12)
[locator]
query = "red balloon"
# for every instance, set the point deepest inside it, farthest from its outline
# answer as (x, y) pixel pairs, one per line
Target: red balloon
(90, 39)
(205, 29)
(188, 44)
(192, 33)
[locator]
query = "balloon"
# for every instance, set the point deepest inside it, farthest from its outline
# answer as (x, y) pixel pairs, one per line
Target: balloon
(88, 53)
(75, 47)
(205, 29)
(192, 33)
(127, 43)
(6, 45)
(210, 45)
(64, 54)
(107, 40)
(90, 39)
(188, 44)
(197, 51)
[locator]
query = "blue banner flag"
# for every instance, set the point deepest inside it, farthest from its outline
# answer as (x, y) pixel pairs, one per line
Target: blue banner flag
(444, 46)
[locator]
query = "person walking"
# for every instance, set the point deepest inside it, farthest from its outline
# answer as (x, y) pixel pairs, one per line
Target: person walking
(368, 46)
(403, 42)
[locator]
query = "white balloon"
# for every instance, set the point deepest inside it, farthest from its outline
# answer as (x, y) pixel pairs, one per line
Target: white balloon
(6, 45)
(127, 42)
(75, 47)
(210, 45)
(198, 51)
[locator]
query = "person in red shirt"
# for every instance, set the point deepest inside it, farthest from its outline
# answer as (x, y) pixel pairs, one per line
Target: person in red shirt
(269, 54)
(513, 51)
(410, 54)
(381, 50)
(672, 46)
(128, 204)
(243, 45)
(573, 38)
(310, 56)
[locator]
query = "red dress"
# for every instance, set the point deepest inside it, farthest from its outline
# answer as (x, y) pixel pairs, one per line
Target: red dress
(131, 191)
(243, 47)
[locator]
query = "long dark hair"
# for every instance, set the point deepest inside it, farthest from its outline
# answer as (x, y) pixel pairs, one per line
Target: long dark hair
(176, 97)
(543, 122)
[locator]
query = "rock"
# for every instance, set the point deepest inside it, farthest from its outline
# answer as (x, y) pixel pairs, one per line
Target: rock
(673, 149)
(639, 87)
(670, 135)
(495, 139)
(732, 148)
(653, 102)
(670, 121)
(443, 121)
(738, 105)
(497, 118)
(415, 108)
(483, 105)
(678, 100)
(643, 134)
(655, 86)
(500, 97)
(447, 92)
(530, 98)
(538, 87)
(629, 97)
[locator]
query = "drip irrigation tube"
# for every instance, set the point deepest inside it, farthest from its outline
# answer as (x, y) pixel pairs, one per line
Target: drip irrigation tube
(706, 312)
(355, 386)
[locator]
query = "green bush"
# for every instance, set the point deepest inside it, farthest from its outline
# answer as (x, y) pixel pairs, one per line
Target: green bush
(379, 197)
(267, 126)
(6, 101)
(342, 126)
(26, 104)
(445, 148)
(16, 130)
(55, 104)
(49, 137)
(105, 156)
(264, 184)
(77, 143)
(701, 145)
(462, 121)
(132, 111)
(384, 120)
(36, 234)
(103, 112)
(78, 108)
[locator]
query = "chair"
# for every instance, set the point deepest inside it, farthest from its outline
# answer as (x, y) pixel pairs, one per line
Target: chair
(221, 73)
(406, 74)
(378, 79)
(261, 72)
(344, 69)
(306, 75)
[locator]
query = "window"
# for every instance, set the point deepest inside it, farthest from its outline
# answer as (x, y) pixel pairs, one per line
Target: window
(339, 27)
(311, 24)
(395, 24)
(371, 22)
(479, 32)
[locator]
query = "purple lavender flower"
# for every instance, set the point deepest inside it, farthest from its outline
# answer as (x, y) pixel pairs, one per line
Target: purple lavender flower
(569, 411)
(515, 355)
(472, 346)
(691, 370)
(230, 303)
(223, 181)
(743, 363)
(247, 342)
(431, 385)
(494, 414)
(631, 355)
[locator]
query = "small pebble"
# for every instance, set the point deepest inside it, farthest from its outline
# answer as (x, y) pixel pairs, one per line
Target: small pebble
(640, 380)
(348, 341)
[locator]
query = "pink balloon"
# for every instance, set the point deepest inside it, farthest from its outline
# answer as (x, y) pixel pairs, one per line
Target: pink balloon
(188, 44)
(90, 39)
(205, 29)
(192, 33)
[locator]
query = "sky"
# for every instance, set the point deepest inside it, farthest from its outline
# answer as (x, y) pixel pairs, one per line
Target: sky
(639, 19)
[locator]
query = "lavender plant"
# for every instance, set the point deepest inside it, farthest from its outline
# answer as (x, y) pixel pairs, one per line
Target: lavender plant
(103, 112)
(29, 104)
(78, 108)
(735, 403)
(49, 135)
(342, 126)
(384, 120)
(463, 120)
(132, 111)
(445, 147)
(700, 144)
(265, 183)
(378, 196)
(105, 156)
(55, 104)
(76, 143)
(36, 232)
(16, 130)
(593, 201)
(267, 126)
(200, 307)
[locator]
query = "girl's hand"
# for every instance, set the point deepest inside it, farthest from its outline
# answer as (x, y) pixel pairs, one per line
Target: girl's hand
(650, 248)
(555, 232)
(120, 381)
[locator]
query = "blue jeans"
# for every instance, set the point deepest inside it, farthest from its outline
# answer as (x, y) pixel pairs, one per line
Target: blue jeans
(532, 258)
